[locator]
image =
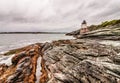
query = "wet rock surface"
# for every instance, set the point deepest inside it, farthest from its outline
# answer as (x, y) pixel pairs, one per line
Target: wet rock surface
(84, 60)
(23, 68)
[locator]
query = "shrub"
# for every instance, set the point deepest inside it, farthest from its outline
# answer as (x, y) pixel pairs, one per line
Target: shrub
(104, 24)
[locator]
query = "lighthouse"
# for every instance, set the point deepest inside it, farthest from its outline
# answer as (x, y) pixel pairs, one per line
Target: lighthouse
(84, 27)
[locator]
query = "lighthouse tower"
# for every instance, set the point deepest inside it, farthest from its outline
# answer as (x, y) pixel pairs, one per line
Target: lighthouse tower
(84, 27)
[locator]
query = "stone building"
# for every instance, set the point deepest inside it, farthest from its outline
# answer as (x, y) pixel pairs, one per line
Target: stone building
(84, 27)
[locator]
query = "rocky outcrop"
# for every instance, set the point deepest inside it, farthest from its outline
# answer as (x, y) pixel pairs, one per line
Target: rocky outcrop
(23, 68)
(104, 25)
(84, 60)
(105, 34)
(74, 33)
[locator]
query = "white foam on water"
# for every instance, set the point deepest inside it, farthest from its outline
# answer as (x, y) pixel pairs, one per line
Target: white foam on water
(4, 49)
(6, 60)
(13, 41)
(38, 70)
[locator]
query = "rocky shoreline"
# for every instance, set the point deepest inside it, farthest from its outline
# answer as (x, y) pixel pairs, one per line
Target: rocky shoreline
(83, 60)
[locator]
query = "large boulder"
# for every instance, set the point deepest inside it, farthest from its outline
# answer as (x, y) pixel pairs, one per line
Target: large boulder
(82, 61)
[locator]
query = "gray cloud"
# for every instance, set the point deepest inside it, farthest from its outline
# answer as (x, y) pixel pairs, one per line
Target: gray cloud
(54, 15)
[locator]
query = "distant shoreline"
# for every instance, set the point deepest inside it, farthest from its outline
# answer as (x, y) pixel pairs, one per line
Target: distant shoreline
(33, 32)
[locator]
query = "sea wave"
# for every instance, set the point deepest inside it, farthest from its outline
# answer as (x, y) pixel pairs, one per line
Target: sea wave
(13, 41)
(6, 60)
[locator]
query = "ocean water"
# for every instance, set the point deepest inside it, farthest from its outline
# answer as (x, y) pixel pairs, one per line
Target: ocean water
(12, 41)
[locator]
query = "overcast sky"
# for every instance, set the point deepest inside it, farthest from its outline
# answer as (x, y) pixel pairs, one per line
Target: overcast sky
(55, 15)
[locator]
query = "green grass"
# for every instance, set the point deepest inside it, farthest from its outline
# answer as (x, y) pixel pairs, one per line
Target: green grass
(104, 24)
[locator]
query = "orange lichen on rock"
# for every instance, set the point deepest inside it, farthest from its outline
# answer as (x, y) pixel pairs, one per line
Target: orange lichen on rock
(59, 42)
(32, 52)
(3, 68)
(9, 71)
(44, 76)
(23, 68)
